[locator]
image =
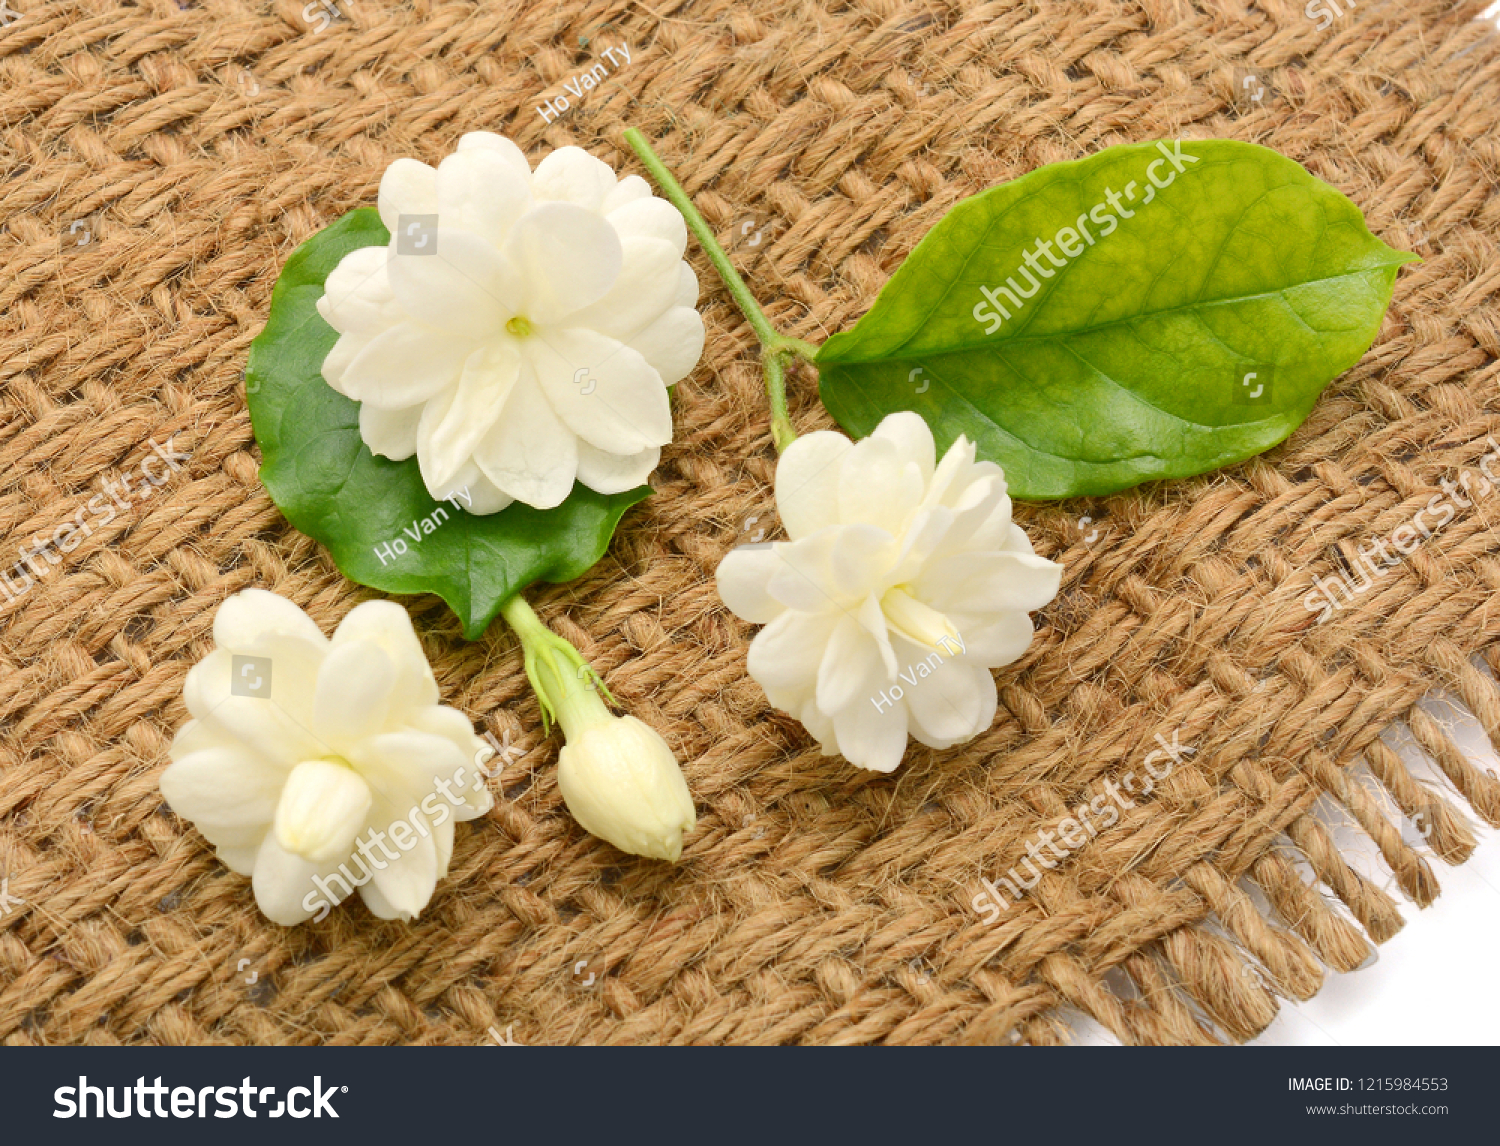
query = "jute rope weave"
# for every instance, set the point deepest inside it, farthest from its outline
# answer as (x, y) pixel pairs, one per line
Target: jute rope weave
(162, 160)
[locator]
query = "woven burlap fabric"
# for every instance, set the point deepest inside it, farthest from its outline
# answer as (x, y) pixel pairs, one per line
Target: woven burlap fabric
(160, 163)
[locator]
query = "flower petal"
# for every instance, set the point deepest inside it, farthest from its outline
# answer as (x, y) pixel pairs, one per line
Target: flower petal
(836, 568)
(380, 907)
(981, 520)
(276, 725)
(344, 352)
(912, 437)
(240, 859)
(651, 218)
(953, 470)
(353, 689)
(480, 191)
(1000, 642)
(743, 579)
(442, 841)
(953, 704)
(407, 883)
(529, 453)
(196, 736)
(388, 625)
(357, 297)
(989, 583)
(409, 187)
(876, 741)
(284, 887)
(787, 652)
(251, 614)
(803, 579)
(489, 141)
(321, 811)
(229, 794)
(1016, 540)
(672, 344)
(474, 493)
(574, 176)
(860, 561)
(602, 390)
(642, 293)
(872, 619)
(404, 768)
(807, 482)
(877, 488)
(627, 190)
(390, 433)
(687, 287)
(851, 673)
(569, 258)
(465, 286)
(452, 425)
(405, 366)
(930, 531)
(819, 725)
(615, 473)
(454, 727)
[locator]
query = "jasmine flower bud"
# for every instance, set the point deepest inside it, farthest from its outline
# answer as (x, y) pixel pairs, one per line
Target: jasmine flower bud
(617, 775)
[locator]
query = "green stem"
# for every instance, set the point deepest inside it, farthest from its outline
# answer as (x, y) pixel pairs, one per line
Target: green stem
(774, 366)
(679, 199)
(567, 687)
(776, 349)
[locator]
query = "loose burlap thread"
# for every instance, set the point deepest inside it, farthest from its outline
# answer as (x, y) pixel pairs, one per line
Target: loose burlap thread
(160, 163)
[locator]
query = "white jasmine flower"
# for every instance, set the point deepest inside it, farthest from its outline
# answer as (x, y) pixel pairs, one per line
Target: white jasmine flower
(521, 329)
(904, 582)
(305, 754)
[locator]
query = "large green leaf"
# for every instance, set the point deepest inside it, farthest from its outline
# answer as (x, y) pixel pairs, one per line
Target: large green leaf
(1130, 359)
(324, 478)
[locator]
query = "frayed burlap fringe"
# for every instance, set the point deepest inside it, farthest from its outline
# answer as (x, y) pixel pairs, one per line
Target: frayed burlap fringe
(160, 161)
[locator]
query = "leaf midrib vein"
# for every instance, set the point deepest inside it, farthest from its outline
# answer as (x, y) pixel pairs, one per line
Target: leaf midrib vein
(902, 354)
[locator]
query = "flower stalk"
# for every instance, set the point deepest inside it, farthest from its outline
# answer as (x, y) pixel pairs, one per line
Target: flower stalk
(777, 350)
(566, 685)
